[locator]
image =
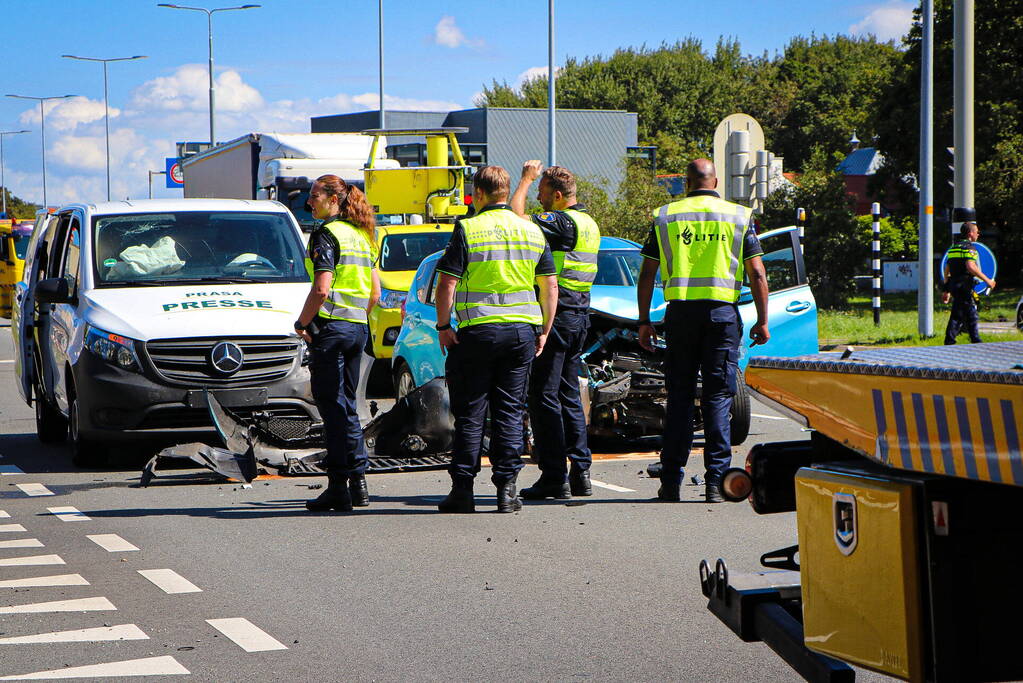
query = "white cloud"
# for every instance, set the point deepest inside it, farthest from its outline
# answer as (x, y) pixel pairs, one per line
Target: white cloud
(67, 114)
(885, 22)
(82, 152)
(187, 89)
(533, 73)
(447, 34)
(370, 100)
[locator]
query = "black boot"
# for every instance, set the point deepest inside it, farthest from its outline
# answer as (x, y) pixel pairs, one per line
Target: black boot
(546, 488)
(358, 490)
(334, 497)
(460, 499)
(507, 500)
(713, 493)
(579, 481)
(669, 492)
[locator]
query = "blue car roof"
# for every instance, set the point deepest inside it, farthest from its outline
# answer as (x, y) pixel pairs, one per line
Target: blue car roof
(607, 242)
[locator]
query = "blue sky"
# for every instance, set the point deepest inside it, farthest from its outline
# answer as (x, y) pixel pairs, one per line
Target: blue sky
(280, 64)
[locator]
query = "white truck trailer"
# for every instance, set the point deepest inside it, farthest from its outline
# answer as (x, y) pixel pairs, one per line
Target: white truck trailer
(279, 166)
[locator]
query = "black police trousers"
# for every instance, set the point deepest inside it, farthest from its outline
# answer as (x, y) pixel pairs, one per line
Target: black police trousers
(702, 340)
(555, 407)
(336, 354)
(489, 368)
(963, 318)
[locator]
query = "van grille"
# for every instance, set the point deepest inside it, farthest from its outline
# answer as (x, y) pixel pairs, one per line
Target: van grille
(266, 359)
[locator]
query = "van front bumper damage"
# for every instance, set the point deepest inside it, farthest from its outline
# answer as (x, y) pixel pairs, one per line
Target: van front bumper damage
(417, 433)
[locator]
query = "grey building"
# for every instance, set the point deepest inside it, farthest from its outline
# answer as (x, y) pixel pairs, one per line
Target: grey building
(591, 143)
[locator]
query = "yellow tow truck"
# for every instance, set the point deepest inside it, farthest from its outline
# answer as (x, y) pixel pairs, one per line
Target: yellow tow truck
(909, 507)
(14, 238)
(436, 193)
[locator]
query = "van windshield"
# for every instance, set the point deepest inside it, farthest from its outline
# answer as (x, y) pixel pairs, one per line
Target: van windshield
(196, 246)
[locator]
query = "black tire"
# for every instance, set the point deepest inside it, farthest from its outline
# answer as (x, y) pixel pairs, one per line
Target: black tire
(403, 381)
(1019, 318)
(740, 411)
(84, 452)
(51, 426)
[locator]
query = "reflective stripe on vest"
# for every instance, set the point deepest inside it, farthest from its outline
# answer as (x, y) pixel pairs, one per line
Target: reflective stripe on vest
(353, 274)
(497, 285)
(577, 269)
(701, 241)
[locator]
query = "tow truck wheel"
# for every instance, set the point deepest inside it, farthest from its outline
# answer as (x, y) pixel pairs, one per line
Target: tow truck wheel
(403, 382)
(740, 412)
(84, 452)
(51, 426)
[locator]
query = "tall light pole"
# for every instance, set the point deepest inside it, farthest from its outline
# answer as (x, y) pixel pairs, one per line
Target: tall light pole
(380, 41)
(962, 104)
(209, 25)
(925, 282)
(3, 184)
(42, 129)
(551, 145)
(106, 106)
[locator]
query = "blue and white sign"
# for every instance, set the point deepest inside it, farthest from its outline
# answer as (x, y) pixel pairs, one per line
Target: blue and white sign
(175, 178)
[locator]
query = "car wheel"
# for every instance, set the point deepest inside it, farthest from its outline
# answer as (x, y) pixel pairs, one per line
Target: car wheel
(404, 384)
(740, 411)
(51, 426)
(1019, 318)
(84, 452)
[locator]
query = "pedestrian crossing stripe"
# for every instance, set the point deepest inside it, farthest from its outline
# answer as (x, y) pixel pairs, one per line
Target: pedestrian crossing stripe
(68, 514)
(44, 581)
(10, 528)
(78, 605)
(82, 635)
(31, 561)
(147, 666)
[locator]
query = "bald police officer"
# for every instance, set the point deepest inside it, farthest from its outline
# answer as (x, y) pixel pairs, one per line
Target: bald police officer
(698, 243)
(487, 274)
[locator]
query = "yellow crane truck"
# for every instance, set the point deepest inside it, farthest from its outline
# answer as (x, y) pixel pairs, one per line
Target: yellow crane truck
(909, 507)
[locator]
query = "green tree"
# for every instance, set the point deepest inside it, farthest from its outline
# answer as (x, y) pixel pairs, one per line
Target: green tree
(629, 212)
(899, 236)
(17, 207)
(834, 249)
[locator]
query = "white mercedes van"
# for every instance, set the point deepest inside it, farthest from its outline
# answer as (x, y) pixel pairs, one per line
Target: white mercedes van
(129, 310)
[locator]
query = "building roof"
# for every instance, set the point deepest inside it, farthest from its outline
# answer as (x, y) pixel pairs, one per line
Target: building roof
(863, 161)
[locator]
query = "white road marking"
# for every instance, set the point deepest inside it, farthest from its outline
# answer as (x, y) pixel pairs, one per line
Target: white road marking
(112, 543)
(31, 561)
(35, 490)
(22, 543)
(148, 666)
(10, 469)
(4, 515)
(169, 581)
(246, 635)
(7, 361)
(10, 528)
(79, 605)
(83, 635)
(611, 487)
(69, 514)
(768, 417)
(60, 580)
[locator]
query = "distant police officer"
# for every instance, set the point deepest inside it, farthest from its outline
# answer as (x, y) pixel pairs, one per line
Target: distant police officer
(345, 287)
(957, 284)
(699, 243)
(488, 272)
(555, 409)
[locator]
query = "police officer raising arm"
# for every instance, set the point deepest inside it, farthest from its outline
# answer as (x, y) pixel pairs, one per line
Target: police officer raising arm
(345, 288)
(555, 407)
(487, 274)
(698, 243)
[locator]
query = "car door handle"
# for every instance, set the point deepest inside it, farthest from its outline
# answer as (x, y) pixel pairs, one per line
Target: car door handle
(797, 306)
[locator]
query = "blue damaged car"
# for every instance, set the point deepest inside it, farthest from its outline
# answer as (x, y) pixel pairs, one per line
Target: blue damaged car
(623, 386)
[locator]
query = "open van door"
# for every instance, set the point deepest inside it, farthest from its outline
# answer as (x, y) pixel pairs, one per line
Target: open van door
(23, 308)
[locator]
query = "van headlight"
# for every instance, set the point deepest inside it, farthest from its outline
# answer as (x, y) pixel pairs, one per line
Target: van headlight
(392, 298)
(113, 348)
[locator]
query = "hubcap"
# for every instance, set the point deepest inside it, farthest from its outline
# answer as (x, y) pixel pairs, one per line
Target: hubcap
(405, 384)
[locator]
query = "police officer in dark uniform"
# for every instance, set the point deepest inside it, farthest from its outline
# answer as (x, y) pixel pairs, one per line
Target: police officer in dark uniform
(487, 274)
(555, 408)
(345, 286)
(957, 284)
(699, 243)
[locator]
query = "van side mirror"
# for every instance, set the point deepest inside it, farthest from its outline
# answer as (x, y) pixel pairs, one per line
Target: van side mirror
(54, 290)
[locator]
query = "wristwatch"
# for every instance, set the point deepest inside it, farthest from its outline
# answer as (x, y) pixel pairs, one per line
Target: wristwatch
(299, 327)
(646, 321)
(441, 328)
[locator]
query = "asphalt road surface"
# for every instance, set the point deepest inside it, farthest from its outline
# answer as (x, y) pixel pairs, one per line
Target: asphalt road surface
(198, 577)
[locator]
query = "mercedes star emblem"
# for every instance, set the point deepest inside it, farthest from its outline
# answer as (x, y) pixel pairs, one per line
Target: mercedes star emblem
(226, 358)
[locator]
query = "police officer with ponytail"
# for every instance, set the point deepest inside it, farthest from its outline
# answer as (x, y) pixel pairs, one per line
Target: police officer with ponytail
(555, 407)
(487, 274)
(345, 286)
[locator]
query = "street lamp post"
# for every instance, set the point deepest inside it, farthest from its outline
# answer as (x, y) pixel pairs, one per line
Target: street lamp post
(380, 43)
(151, 174)
(209, 25)
(551, 144)
(106, 107)
(42, 129)
(3, 183)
